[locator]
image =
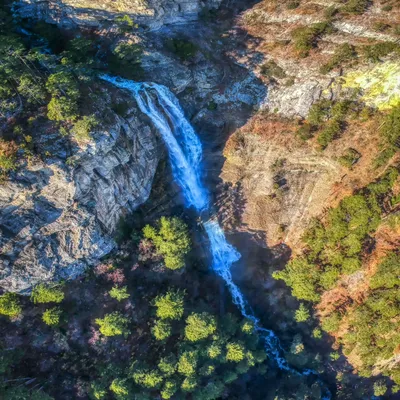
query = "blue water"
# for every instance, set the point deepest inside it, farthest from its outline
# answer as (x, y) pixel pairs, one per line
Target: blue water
(185, 154)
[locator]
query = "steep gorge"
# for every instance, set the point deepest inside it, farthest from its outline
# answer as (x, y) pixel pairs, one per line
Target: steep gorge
(248, 92)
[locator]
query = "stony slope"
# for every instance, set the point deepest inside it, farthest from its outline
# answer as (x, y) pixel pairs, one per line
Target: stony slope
(57, 213)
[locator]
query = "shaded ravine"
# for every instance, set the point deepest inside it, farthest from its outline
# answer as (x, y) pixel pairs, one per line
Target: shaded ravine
(185, 154)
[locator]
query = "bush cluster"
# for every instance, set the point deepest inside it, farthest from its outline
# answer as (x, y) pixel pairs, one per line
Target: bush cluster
(355, 6)
(306, 38)
(380, 307)
(184, 49)
(335, 248)
(328, 118)
(10, 305)
(43, 293)
(171, 239)
(343, 54)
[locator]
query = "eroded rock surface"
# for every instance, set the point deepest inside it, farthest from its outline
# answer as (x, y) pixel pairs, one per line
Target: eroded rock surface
(154, 13)
(57, 215)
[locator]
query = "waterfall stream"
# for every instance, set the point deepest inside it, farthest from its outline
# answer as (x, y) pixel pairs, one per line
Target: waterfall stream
(185, 154)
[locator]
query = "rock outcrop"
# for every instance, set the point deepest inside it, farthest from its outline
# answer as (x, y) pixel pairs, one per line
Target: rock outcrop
(57, 215)
(153, 13)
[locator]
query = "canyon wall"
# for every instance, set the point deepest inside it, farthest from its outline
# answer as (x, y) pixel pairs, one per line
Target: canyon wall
(57, 215)
(153, 13)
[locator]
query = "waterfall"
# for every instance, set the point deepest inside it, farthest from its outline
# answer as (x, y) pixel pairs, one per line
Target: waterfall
(185, 154)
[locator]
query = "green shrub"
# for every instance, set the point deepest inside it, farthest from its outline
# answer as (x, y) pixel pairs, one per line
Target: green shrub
(150, 379)
(119, 293)
(390, 127)
(43, 293)
(380, 388)
(32, 89)
(349, 158)
(82, 128)
(376, 52)
(306, 38)
(212, 391)
(380, 26)
(334, 356)
(169, 389)
(247, 327)
(351, 265)
(229, 377)
(52, 316)
(65, 94)
(371, 323)
(167, 365)
(302, 277)
(121, 108)
(161, 330)
(125, 60)
(214, 350)
(329, 133)
(207, 370)
(80, 50)
(302, 314)
(10, 305)
(200, 326)
(320, 112)
(120, 388)
(355, 6)
(98, 390)
(189, 384)
(170, 305)
(125, 23)
(293, 4)
(305, 132)
(330, 12)
(395, 388)
(235, 352)
(8, 157)
(317, 333)
(387, 276)
(187, 363)
(113, 324)
(182, 48)
(272, 69)
(62, 109)
(384, 156)
(171, 239)
(331, 323)
(343, 54)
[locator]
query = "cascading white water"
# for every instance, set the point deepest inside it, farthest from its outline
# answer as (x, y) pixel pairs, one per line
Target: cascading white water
(184, 146)
(185, 153)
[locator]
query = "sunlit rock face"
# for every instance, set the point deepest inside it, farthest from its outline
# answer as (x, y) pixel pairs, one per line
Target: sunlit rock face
(58, 215)
(153, 13)
(379, 85)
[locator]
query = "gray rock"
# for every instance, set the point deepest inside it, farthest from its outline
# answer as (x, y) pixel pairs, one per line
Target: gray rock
(295, 100)
(153, 13)
(56, 220)
(166, 71)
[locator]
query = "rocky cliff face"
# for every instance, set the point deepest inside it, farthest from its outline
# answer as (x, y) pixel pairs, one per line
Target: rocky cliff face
(57, 215)
(153, 13)
(287, 181)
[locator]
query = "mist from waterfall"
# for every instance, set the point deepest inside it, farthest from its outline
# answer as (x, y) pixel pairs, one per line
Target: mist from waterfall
(185, 154)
